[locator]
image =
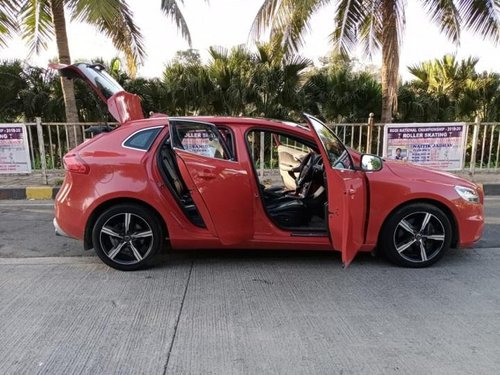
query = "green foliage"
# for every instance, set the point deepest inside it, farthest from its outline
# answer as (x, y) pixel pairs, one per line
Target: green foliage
(338, 94)
(448, 90)
(265, 83)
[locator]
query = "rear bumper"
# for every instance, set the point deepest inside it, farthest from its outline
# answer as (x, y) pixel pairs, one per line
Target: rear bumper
(58, 230)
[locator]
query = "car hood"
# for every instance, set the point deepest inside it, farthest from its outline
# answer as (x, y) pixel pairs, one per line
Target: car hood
(410, 171)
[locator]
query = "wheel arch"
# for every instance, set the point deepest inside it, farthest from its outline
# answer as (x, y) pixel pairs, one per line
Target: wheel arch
(87, 238)
(443, 207)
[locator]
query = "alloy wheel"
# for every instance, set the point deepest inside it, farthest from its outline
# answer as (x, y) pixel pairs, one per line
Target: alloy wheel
(126, 238)
(419, 237)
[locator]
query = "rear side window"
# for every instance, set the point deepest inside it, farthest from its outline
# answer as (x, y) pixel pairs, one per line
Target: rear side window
(142, 140)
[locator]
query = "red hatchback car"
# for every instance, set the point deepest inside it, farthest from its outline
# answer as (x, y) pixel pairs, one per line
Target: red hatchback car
(195, 183)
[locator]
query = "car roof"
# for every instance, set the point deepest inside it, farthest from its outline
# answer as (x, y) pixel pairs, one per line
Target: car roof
(161, 119)
(232, 120)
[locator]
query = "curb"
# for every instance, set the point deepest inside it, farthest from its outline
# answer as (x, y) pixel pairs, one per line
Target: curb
(29, 192)
(491, 189)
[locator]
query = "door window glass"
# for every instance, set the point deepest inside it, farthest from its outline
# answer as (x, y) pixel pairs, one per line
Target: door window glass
(200, 139)
(337, 153)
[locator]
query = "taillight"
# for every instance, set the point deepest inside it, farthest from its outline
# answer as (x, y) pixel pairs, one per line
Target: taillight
(73, 163)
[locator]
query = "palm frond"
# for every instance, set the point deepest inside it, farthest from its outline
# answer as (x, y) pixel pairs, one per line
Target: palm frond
(218, 53)
(482, 17)
(370, 28)
(348, 15)
(8, 24)
(264, 17)
(446, 15)
(114, 19)
(293, 22)
(172, 10)
(37, 28)
(290, 19)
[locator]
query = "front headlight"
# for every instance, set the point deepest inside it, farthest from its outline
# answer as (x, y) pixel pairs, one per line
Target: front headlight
(470, 195)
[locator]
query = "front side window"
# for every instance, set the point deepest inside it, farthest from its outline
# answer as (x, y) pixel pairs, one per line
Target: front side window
(200, 139)
(337, 153)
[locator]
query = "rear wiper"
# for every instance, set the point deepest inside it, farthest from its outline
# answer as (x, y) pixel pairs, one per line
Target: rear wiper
(98, 129)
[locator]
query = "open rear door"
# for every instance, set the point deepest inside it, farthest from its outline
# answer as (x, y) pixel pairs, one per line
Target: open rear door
(346, 193)
(222, 185)
(122, 105)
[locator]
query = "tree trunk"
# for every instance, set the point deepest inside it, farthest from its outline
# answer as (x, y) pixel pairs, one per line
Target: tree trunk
(74, 132)
(390, 59)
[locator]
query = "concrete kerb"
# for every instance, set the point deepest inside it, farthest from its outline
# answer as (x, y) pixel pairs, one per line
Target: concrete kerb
(29, 192)
(50, 192)
(32, 186)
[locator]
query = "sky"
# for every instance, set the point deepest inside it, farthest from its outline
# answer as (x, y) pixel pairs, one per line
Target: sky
(227, 23)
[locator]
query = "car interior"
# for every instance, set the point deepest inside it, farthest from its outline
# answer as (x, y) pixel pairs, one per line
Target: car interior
(293, 192)
(295, 199)
(172, 177)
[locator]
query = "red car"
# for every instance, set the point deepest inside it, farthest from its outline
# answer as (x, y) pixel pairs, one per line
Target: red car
(196, 183)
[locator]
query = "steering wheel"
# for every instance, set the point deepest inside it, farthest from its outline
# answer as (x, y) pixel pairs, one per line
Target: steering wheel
(311, 164)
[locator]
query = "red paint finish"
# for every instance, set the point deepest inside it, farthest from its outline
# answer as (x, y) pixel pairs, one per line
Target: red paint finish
(125, 107)
(223, 188)
(228, 197)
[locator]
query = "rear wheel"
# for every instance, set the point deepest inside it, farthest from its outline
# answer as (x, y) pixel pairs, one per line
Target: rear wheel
(416, 235)
(127, 236)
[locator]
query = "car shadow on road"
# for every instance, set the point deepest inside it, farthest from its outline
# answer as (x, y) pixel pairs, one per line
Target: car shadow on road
(329, 258)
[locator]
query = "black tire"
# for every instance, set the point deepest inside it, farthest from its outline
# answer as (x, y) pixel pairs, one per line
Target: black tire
(416, 235)
(131, 248)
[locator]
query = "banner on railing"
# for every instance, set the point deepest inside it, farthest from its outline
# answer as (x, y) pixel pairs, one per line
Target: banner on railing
(14, 151)
(438, 145)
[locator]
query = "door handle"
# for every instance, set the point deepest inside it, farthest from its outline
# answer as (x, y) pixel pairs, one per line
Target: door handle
(207, 175)
(352, 191)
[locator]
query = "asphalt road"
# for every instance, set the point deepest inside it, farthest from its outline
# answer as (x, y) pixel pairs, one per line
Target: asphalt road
(242, 312)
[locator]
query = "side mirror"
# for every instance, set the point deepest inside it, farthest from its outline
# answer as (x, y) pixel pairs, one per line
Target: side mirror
(371, 163)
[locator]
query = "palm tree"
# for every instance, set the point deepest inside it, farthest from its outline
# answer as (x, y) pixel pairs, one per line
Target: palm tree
(446, 75)
(39, 21)
(376, 24)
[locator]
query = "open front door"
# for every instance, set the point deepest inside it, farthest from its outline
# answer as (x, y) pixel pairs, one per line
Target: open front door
(346, 193)
(218, 184)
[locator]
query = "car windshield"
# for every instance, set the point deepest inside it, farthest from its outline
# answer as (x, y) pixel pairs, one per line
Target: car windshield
(96, 74)
(336, 151)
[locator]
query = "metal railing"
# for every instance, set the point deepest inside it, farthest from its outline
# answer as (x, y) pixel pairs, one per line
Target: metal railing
(48, 142)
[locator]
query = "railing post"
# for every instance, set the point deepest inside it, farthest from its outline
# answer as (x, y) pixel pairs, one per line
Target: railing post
(369, 134)
(261, 155)
(475, 136)
(41, 148)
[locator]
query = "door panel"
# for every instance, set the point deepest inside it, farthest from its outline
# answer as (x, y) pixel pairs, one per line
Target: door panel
(346, 193)
(223, 185)
(289, 158)
(346, 211)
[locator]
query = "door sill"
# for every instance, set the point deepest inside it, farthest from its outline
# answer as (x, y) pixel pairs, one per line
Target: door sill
(309, 234)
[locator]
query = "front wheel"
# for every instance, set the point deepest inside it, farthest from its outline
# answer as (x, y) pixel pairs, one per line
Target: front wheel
(416, 235)
(127, 236)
